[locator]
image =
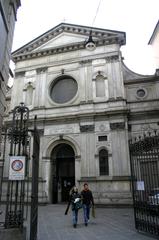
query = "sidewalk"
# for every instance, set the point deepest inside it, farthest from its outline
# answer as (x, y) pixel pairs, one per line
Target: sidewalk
(109, 224)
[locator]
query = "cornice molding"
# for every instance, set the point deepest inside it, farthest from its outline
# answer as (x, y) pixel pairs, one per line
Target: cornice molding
(105, 37)
(63, 49)
(86, 62)
(113, 58)
(152, 78)
(41, 70)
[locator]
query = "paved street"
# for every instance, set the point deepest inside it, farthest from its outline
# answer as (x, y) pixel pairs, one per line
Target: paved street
(109, 224)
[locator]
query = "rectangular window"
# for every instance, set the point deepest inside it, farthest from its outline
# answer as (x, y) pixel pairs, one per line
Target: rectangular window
(103, 162)
(104, 169)
(100, 88)
(102, 138)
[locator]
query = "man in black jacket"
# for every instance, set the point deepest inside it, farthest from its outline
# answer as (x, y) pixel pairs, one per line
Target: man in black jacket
(87, 199)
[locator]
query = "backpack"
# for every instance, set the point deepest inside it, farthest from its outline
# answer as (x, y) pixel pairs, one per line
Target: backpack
(78, 205)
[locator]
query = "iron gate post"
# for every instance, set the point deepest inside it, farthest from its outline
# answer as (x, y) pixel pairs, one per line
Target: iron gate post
(35, 176)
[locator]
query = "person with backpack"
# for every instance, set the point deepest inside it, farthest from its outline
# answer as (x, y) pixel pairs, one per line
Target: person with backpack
(75, 202)
(88, 201)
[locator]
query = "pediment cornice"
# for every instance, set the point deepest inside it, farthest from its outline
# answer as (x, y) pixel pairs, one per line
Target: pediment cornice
(101, 37)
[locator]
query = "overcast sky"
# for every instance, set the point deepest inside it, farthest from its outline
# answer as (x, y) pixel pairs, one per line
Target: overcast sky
(135, 17)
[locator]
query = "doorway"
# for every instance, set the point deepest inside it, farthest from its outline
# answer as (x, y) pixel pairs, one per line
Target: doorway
(62, 172)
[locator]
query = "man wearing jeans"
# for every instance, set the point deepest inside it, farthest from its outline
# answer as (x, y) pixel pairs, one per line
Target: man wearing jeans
(87, 199)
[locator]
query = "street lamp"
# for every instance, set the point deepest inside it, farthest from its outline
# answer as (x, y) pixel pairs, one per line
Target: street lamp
(90, 44)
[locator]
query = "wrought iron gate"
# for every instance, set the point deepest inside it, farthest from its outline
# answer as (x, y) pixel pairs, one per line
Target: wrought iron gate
(144, 158)
(15, 145)
(18, 167)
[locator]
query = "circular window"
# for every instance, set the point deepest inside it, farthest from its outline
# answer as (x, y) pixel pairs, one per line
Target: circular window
(141, 93)
(63, 89)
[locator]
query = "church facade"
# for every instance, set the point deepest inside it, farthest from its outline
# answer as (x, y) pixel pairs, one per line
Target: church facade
(88, 105)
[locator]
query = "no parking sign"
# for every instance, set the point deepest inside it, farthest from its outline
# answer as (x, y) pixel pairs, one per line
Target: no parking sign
(17, 168)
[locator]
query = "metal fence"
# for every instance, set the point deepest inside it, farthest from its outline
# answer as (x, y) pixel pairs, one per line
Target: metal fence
(17, 136)
(18, 188)
(144, 157)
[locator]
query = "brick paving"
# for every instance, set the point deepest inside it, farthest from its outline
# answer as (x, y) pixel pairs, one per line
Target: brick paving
(109, 224)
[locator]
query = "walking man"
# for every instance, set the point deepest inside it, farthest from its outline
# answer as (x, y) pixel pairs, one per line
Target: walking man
(87, 199)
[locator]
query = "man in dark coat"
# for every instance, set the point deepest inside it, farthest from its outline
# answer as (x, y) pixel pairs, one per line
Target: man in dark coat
(87, 199)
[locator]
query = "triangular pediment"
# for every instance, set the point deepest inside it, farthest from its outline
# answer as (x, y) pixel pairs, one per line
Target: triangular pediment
(69, 35)
(63, 39)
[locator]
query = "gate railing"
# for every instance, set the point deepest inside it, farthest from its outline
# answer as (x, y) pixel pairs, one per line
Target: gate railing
(18, 161)
(15, 151)
(3, 141)
(144, 158)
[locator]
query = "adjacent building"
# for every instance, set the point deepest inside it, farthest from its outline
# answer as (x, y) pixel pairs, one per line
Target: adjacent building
(88, 105)
(8, 11)
(154, 42)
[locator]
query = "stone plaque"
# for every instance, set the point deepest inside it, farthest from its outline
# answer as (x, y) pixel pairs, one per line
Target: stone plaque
(117, 126)
(87, 128)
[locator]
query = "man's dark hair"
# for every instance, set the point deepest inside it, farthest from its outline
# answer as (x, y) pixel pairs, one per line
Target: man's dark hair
(85, 184)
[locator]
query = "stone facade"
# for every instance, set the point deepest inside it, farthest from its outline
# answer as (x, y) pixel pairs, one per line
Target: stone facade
(8, 10)
(88, 104)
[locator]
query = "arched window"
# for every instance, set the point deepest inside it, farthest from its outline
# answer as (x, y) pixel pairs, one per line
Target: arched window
(103, 162)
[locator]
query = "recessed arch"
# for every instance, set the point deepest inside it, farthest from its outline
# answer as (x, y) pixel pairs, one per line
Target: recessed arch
(57, 140)
(49, 155)
(62, 172)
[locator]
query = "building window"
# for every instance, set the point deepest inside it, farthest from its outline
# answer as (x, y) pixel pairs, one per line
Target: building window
(100, 85)
(102, 138)
(63, 89)
(141, 93)
(103, 162)
(29, 95)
